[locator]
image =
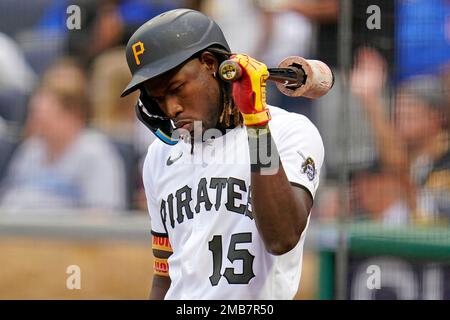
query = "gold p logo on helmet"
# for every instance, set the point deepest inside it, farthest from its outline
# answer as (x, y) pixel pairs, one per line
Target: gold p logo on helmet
(138, 49)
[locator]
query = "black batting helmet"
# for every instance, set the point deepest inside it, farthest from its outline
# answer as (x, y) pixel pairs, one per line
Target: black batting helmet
(161, 44)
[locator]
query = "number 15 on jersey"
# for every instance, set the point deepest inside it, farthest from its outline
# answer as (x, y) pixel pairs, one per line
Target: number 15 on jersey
(216, 247)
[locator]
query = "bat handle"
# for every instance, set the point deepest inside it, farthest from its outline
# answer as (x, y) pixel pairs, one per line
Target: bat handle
(290, 76)
(294, 76)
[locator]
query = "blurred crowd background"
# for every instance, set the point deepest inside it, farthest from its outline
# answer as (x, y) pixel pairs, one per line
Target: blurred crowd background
(69, 143)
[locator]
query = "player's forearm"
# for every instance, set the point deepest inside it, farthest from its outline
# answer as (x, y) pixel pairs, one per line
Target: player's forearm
(276, 212)
(279, 216)
(160, 286)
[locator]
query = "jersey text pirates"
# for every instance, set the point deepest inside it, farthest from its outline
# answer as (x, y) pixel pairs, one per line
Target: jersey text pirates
(202, 202)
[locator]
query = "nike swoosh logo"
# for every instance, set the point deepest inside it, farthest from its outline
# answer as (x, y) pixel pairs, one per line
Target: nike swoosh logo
(171, 161)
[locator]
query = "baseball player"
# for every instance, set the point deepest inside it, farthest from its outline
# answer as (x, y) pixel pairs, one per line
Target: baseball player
(231, 181)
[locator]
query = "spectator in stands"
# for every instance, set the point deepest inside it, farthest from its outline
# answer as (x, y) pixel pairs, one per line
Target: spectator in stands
(17, 80)
(414, 147)
(62, 164)
(112, 115)
(328, 111)
(104, 24)
(15, 73)
(116, 117)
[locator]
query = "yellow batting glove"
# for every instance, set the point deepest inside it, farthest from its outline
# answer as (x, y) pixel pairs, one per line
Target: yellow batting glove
(249, 92)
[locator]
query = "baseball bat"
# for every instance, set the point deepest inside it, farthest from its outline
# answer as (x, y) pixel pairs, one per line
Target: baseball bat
(294, 76)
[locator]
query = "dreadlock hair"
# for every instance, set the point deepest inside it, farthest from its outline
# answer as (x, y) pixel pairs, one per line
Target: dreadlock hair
(230, 116)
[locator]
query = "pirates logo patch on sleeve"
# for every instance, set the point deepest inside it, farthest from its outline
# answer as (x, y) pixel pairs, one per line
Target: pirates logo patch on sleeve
(309, 168)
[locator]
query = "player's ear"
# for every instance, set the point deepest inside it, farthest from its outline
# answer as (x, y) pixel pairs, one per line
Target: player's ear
(209, 61)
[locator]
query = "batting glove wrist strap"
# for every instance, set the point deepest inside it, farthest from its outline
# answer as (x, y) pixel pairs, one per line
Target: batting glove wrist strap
(256, 119)
(264, 157)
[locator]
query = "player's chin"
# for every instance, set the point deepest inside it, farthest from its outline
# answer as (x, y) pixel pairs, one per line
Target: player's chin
(197, 130)
(187, 131)
(183, 133)
(186, 128)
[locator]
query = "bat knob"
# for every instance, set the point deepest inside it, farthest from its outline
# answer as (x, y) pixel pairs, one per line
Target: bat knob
(319, 78)
(230, 71)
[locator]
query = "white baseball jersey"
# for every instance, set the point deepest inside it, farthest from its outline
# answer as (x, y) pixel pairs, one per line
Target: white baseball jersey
(202, 201)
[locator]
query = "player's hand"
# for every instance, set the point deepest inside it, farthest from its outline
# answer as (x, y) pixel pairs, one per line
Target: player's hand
(249, 92)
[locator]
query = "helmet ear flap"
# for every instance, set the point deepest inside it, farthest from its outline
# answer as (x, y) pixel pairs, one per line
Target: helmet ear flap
(149, 113)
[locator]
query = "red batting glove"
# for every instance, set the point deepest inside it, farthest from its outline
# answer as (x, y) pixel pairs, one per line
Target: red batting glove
(249, 92)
